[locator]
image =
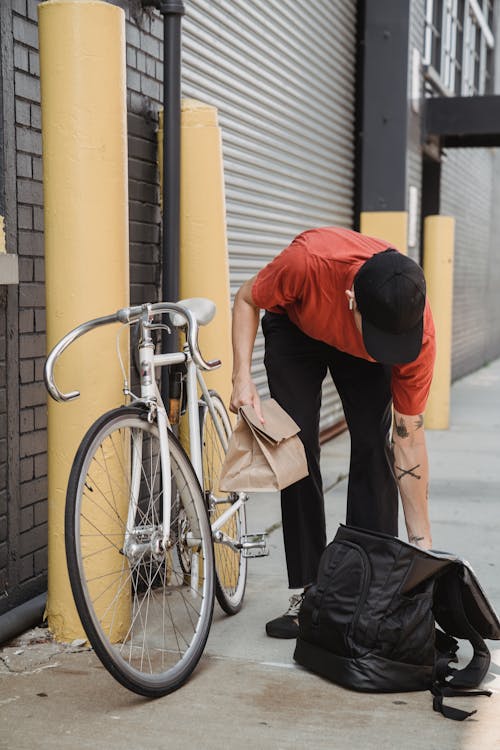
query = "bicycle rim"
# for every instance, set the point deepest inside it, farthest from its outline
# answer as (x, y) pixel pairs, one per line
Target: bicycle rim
(230, 565)
(145, 616)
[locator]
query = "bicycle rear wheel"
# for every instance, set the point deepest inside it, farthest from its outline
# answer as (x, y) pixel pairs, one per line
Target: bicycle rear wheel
(146, 611)
(230, 565)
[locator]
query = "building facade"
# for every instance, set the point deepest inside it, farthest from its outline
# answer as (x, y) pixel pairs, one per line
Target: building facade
(290, 84)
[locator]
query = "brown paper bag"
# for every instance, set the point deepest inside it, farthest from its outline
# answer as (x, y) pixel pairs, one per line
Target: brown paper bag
(263, 457)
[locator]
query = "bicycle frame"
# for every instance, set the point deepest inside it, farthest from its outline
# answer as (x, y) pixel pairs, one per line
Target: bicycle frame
(149, 364)
(150, 396)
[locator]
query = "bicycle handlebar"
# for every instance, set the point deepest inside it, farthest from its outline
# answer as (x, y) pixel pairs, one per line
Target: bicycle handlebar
(125, 315)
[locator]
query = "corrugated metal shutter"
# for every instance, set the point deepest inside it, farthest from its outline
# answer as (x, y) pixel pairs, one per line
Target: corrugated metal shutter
(472, 209)
(281, 74)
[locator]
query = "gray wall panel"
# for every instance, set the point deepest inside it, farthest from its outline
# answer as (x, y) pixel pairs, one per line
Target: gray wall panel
(493, 294)
(466, 193)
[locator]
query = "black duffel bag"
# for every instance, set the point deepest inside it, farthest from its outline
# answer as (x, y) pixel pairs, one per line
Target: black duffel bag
(369, 623)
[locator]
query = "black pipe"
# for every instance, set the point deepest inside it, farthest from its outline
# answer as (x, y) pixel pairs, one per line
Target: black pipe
(172, 11)
(22, 618)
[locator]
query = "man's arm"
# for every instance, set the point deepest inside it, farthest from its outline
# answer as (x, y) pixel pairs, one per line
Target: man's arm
(244, 331)
(411, 469)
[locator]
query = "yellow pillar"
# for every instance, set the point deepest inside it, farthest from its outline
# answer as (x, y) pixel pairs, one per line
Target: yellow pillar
(204, 263)
(438, 268)
(387, 225)
(82, 55)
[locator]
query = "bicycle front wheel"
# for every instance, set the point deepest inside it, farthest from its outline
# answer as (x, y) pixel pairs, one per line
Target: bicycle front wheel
(146, 610)
(230, 565)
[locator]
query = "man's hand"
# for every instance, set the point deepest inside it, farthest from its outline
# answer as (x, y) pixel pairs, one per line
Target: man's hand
(245, 392)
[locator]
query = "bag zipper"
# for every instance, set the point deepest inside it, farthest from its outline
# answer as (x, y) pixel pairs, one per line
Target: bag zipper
(366, 582)
(364, 588)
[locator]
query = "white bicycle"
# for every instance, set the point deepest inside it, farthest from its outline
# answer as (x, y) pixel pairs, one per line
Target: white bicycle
(150, 538)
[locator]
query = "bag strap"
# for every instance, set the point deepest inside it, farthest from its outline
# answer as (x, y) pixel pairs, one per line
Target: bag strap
(446, 646)
(440, 690)
(475, 671)
(469, 676)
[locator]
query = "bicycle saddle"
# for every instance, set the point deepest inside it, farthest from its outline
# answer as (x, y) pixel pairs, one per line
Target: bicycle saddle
(202, 308)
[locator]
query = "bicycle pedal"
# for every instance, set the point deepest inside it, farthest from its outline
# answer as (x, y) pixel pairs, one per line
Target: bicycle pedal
(254, 545)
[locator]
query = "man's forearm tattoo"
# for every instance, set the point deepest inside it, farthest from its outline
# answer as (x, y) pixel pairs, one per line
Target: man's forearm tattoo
(401, 428)
(419, 421)
(408, 472)
(415, 539)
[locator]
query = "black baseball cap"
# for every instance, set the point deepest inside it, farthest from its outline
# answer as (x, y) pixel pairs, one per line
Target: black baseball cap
(390, 295)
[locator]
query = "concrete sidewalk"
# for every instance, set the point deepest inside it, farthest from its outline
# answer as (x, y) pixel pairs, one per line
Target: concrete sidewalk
(247, 690)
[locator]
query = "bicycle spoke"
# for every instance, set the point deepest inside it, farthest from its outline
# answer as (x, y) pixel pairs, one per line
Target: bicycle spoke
(93, 500)
(140, 610)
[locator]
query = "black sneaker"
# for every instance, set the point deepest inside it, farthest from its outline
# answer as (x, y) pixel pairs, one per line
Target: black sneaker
(287, 625)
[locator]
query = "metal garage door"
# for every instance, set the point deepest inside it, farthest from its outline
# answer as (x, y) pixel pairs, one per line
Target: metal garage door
(281, 74)
(472, 212)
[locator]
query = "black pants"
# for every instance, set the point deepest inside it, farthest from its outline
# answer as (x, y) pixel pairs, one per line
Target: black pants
(296, 367)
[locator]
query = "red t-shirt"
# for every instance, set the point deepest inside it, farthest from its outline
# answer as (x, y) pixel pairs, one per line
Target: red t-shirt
(307, 281)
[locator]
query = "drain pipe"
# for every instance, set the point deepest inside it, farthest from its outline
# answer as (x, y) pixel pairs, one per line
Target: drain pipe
(172, 12)
(22, 618)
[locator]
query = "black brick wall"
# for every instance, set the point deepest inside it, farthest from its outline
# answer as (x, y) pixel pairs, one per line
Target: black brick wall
(3, 447)
(23, 457)
(144, 210)
(32, 523)
(144, 53)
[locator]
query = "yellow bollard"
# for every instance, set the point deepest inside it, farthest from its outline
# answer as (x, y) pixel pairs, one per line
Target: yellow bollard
(204, 272)
(204, 267)
(438, 268)
(387, 225)
(204, 262)
(82, 55)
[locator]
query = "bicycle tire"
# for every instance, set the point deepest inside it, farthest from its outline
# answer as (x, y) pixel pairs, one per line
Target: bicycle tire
(230, 565)
(147, 620)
